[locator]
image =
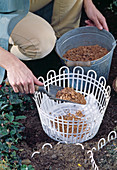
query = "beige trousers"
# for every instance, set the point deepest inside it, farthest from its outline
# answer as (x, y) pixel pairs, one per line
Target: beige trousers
(34, 38)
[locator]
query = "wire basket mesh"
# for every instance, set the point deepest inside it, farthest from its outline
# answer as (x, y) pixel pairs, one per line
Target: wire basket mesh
(72, 122)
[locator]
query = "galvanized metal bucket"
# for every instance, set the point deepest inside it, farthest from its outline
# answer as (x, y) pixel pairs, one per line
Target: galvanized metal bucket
(85, 36)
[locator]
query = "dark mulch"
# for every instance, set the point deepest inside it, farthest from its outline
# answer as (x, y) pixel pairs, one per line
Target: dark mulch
(107, 154)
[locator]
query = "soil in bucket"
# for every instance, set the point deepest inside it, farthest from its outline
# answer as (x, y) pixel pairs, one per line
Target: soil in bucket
(85, 53)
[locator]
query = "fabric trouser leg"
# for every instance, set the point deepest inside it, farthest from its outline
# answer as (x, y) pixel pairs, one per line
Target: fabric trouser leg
(66, 15)
(33, 38)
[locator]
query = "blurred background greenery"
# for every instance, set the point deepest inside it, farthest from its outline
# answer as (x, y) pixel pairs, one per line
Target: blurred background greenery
(110, 4)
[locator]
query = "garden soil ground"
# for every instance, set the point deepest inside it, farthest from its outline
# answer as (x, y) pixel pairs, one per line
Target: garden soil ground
(69, 156)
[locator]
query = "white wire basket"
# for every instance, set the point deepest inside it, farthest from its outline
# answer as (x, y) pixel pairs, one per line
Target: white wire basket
(72, 122)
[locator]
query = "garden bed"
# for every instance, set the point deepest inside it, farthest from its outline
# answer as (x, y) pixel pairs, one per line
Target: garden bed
(64, 156)
(71, 156)
(61, 156)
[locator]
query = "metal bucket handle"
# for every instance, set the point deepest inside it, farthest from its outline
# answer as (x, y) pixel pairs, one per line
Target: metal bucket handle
(78, 63)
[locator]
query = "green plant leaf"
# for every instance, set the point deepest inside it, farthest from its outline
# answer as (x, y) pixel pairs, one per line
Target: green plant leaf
(30, 167)
(3, 107)
(115, 2)
(1, 144)
(19, 136)
(10, 107)
(3, 133)
(13, 154)
(16, 101)
(9, 117)
(20, 117)
(16, 124)
(13, 132)
(25, 167)
(14, 147)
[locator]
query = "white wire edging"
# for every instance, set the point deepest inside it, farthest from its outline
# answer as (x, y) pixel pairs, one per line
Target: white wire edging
(37, 152)
(101, 143)
(49, 144)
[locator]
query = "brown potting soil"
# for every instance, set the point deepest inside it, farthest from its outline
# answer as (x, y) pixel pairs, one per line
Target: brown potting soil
(71, 128)
(71, 95)
(85, 53)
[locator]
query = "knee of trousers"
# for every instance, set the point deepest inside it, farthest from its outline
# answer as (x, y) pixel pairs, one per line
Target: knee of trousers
(35, 48)
(34, 37)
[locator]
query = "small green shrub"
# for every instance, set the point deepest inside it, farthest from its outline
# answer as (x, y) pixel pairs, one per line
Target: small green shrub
(11, 104)
(113, 6)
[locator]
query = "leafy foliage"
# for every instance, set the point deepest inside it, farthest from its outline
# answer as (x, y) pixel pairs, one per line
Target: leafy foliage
(11, 104)
(113, 6)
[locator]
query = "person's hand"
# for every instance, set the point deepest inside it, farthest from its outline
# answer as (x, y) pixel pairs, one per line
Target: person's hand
(89, 23)
(94, 15)
(22, 79)
(19, 76)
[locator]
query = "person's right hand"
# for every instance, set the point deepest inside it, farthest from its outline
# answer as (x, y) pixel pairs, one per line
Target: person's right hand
(95, 16)
(22, 79)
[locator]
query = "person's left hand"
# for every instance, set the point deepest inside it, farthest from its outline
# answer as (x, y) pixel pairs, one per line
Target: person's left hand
(95, 17)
